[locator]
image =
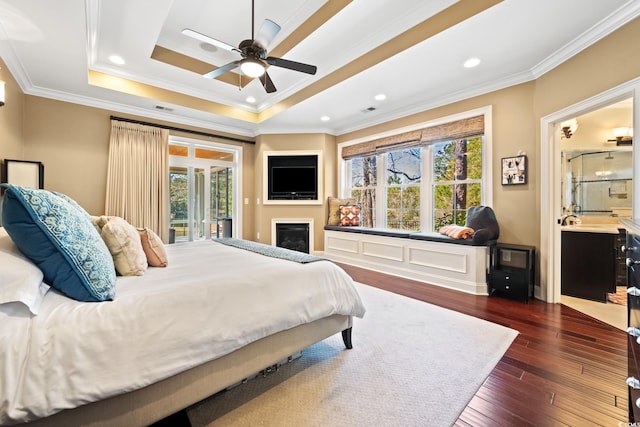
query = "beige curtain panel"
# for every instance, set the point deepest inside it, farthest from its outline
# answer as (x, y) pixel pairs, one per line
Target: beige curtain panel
(138, 176)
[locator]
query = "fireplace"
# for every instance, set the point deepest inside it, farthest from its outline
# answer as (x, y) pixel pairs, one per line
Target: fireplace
(293, 234)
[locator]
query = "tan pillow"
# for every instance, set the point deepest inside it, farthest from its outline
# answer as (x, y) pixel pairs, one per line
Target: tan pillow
(123, 241)
(153, 248)
(457, 231)
(334, 209)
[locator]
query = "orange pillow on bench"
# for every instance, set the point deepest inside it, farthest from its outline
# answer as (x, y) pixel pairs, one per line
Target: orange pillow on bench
(349, 215)
(457, 231)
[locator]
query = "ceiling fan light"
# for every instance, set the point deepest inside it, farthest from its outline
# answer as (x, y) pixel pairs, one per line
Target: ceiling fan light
(252, 68)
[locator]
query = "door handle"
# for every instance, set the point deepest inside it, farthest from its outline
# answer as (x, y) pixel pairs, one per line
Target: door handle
(633, 331)
(633, 382)
(633, 291)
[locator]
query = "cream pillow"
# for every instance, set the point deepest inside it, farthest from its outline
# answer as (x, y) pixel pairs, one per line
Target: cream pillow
(123, 241)
(153, 248)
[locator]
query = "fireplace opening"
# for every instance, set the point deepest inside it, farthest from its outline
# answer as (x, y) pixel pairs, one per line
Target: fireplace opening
(293, 236)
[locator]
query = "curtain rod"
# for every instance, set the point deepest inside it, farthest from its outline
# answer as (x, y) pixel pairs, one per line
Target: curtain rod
(195, 132)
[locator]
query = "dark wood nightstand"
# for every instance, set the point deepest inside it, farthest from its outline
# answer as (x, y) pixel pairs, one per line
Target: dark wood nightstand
(512, 271)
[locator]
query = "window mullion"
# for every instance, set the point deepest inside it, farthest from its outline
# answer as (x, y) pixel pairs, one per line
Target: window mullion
(381, 191)
(426, 190)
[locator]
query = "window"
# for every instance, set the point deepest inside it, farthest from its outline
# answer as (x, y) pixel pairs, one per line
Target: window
(363, 184)
(457, 180)
(202, 184)
(403, 170)
(420, 180)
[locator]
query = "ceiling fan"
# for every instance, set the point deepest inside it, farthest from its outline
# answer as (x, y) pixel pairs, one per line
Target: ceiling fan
(254, 54)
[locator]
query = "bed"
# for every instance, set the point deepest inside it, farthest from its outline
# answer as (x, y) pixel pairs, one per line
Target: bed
(215, 315)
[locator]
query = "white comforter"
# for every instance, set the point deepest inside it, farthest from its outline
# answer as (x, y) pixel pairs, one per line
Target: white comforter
(209, 301)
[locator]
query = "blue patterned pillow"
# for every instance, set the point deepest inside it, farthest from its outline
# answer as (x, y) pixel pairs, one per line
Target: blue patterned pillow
(57, 235)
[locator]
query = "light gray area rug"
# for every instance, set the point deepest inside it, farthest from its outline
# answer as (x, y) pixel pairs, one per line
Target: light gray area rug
(412, 364)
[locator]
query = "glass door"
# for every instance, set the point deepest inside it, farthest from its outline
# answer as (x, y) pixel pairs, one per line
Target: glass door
(201, 186)
(221, 201)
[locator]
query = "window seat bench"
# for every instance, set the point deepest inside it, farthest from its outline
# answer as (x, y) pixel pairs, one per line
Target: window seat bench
(424, 256)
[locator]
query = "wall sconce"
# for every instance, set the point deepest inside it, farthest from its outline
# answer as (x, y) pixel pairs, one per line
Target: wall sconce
(569, 128)
(1, 93)
(622, 135)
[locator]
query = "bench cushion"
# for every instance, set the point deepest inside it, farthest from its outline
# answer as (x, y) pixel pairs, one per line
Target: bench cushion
(406, 234)
(373, 231)
(437, 237)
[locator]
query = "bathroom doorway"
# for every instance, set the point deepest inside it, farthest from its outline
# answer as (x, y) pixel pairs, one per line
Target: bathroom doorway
(596, 191)
(552, 174)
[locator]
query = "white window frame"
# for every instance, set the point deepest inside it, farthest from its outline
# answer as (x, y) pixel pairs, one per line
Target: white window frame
(191, 162)
(381, 208)
(426, 203)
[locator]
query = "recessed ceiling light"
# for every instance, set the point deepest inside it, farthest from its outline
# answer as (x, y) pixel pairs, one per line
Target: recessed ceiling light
(115, 59)
(380, 97)
(325, 118)
(251, 99)
(471, 62)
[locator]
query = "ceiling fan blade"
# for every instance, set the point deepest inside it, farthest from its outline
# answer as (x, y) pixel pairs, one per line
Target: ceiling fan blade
(268, 31)
(291, 65)
(267, 83)
(220, 71)
(206, 39)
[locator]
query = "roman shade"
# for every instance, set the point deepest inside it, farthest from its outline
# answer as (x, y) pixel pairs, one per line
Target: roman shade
(458, 129)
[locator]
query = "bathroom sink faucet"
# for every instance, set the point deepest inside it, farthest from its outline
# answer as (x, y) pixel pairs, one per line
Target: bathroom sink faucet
(564, 220)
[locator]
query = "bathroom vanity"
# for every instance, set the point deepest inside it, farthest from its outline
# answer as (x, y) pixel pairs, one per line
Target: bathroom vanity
(589, 260)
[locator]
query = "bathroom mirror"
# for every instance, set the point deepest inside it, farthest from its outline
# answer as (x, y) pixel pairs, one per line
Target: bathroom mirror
(599, 183)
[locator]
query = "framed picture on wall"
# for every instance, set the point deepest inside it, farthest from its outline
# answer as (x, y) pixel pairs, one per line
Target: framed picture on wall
(23, 172)
(514, 170)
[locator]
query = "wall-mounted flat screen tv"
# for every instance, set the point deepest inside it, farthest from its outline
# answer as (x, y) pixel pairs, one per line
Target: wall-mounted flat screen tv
(293, 177)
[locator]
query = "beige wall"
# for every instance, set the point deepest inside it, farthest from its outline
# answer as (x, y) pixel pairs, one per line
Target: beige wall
(72, 140)
(517, 112)
(294, 142)
(608, 63)
(11, 118)
(73, 143)
(513, 131)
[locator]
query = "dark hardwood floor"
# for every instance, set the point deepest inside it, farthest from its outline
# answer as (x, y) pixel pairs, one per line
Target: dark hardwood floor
(564, 368)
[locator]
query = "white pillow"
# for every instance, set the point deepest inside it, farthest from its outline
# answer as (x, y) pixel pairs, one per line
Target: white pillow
(123, 241)
(20, 279)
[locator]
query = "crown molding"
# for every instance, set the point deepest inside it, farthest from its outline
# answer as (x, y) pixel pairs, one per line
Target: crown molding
(421, 106)
(138, 111)
(606, 26)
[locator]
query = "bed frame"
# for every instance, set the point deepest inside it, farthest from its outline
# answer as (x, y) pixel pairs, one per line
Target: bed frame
(147, 405)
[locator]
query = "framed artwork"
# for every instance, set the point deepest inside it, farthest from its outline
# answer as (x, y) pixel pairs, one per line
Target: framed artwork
(514, 170)
(23, 172)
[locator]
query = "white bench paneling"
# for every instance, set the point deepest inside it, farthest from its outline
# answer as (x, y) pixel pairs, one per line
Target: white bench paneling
(386, 251)
(438, 259)
(460, 267)
(341, 244)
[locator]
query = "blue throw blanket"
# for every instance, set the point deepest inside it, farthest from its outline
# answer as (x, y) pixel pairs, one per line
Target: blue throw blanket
(272, 251)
